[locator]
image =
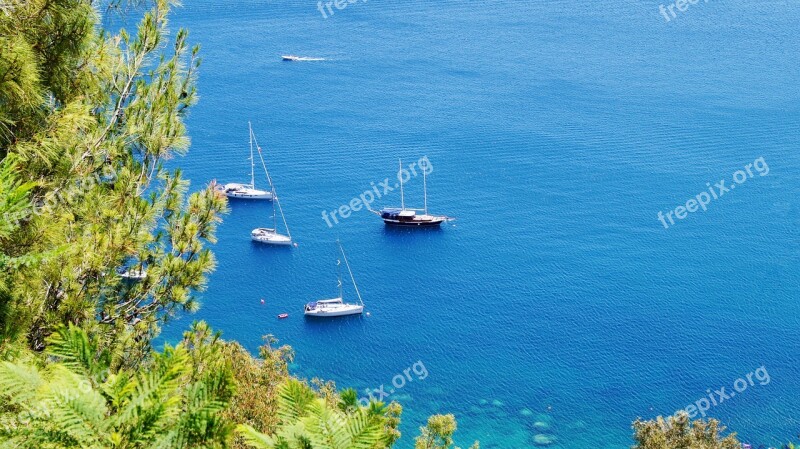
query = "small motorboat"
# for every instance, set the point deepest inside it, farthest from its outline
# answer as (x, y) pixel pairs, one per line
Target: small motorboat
(283, 316)
(299, 58)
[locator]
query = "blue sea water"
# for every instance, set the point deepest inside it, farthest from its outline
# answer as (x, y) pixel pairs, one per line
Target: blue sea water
(557, 130)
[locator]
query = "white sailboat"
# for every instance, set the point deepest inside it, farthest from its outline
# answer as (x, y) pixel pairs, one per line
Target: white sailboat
(336, 307)
(133, 273)
(249, 191)
(271, 236)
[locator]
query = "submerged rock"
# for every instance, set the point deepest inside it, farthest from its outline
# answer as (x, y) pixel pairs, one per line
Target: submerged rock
(526, 412)
(497, 403)
(483, 402)
(543, 440)
(541, 425)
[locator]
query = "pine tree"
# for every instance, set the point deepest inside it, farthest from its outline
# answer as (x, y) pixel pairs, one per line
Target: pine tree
(89, 118)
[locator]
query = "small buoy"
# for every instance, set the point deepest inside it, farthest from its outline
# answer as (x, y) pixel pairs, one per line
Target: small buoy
(262, 300)
(367, 313)
(295, 244)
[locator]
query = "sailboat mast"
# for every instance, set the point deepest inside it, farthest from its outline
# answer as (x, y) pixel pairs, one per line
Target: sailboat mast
(252, 159)
(425, 190)
(339, 276)
(341, 248)
(400, 178)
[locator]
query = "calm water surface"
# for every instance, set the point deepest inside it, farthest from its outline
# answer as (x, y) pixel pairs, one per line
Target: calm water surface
(557, 131)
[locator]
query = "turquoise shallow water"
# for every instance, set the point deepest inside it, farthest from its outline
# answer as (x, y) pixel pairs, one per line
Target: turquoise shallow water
(557, 131)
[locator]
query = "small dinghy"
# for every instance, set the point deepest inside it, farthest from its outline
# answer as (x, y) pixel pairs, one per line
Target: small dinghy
(283, 316)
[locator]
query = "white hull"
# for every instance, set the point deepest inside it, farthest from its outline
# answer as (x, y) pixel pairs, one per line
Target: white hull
(245, 192)
(270, 237)
(334, 310)
(134, 275)
(328, 308)
(330, 314)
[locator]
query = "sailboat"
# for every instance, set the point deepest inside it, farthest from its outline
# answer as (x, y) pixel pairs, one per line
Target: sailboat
(406, 217)
(133, 274)
(337, 307)
(249, 191)
(271, 235)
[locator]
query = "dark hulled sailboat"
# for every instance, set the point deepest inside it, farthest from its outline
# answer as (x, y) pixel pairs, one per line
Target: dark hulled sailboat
(403, 217)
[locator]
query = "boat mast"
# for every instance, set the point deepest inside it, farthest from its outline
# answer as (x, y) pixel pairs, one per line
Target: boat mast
(341, 248)
(260, 156)
(339, 276)
(252, 159)
(400, 178)
(425, 190)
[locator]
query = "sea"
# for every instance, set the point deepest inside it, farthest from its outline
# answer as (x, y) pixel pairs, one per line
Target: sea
(624, 178)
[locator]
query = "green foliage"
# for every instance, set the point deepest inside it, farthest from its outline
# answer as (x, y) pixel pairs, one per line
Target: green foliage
(676, 432)
(309, 421)
(258, 382)
(89, 117)
(15, 205)
(77, 401)
(438, 433)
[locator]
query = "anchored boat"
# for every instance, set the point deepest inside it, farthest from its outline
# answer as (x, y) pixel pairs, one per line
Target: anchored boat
(271, 236)
(248, 191)
(406, 217)
(336, 307)
(133, 274)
